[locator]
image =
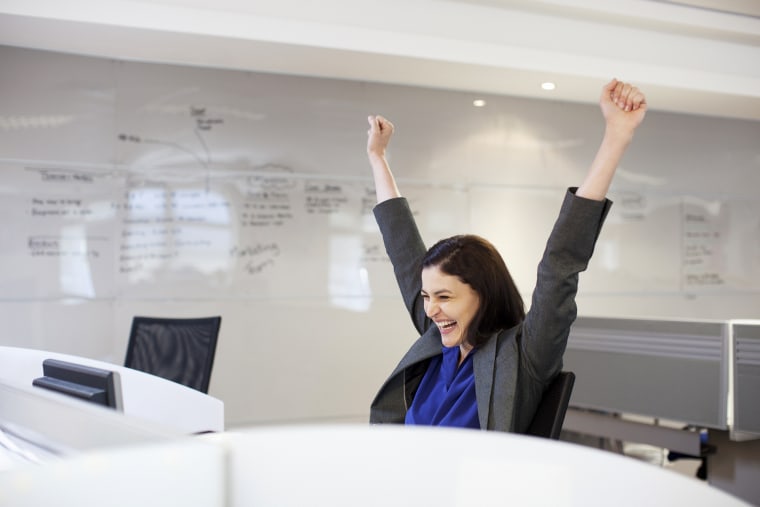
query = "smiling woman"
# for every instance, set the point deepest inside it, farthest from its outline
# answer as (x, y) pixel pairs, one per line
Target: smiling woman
(481, 361)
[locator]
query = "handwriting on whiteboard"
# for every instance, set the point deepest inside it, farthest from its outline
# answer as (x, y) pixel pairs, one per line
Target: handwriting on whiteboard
(701, 260)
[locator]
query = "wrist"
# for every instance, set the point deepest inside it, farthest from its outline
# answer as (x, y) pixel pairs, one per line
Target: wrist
(376, 156)
(618, 134)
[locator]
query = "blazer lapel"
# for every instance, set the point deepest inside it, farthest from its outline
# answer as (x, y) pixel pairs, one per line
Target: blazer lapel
(483, 364)
(427, 345)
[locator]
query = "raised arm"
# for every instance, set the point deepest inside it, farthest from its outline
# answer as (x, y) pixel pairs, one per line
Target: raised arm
(378, 137)
(571, 242)
(396, 222)
(623, 107)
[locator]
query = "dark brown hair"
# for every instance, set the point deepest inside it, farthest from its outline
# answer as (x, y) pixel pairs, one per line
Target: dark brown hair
(476, 262)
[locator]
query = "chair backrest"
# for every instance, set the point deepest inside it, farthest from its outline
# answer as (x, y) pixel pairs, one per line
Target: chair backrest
(181, 350)
(547, 422)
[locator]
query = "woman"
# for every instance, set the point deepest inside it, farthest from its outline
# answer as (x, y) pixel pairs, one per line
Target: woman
(481, 361)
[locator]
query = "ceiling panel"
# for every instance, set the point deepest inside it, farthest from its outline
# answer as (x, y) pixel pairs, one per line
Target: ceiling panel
(689, 59)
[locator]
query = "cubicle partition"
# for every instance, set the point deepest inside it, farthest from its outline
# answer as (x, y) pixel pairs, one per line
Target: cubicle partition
(666, 369)
(746, 378)
(686, 386)
(705, 374)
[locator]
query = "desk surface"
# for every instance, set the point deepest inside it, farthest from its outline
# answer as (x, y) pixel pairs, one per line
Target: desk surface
(396, 465)
(357, 465)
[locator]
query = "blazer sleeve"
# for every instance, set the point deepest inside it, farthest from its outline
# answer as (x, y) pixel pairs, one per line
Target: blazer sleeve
(406, 250)
(553, 308)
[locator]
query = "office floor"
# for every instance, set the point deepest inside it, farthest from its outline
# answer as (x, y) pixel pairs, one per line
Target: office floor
(658, 456)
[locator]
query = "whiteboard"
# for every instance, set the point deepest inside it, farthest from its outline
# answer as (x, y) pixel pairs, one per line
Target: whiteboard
(144, 189)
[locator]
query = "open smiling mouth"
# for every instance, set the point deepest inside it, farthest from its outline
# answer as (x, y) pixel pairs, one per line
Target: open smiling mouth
(446, 324)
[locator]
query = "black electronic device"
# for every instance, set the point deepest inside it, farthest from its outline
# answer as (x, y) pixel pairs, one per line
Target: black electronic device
(88, 383)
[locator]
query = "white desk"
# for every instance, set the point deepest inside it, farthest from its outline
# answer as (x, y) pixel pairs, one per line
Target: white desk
(353, 466)
(144, 396)
(184, 473)
(415, 466)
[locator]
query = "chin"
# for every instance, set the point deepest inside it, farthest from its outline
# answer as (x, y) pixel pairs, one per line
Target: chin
(451, 342)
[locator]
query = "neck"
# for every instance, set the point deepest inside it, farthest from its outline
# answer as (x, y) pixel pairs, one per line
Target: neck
(464, 349)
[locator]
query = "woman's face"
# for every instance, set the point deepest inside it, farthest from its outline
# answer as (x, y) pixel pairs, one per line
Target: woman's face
(450, 303)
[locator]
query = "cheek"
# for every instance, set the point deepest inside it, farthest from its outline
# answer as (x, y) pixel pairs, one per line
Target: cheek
(473, 310)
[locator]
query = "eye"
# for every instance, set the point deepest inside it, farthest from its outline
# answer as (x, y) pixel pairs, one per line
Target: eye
(425, 296)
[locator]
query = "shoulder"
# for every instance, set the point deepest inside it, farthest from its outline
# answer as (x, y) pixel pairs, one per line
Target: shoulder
(506, 340)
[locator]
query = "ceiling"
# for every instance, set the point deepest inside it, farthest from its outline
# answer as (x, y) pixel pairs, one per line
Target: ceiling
(693, 56)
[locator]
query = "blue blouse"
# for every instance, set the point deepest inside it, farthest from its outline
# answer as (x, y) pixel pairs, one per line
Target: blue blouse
(446, 395)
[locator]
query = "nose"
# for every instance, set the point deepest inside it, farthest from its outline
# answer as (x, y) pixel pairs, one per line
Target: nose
(430, 309)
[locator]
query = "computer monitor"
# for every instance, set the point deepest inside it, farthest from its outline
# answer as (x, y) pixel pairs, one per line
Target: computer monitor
(84, 382)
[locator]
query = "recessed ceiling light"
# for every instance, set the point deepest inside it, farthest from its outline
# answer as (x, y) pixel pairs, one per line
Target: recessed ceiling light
(478, 102)
(548, 85)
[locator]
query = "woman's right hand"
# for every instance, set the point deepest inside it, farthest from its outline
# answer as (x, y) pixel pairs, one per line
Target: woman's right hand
(378, 135)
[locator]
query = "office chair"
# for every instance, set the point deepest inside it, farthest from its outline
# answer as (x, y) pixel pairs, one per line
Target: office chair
(547, 422)
(180, 350)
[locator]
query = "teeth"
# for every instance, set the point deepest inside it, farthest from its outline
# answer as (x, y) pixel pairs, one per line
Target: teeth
(446, 323)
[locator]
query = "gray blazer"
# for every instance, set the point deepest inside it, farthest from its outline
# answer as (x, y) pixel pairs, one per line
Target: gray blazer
(515, 365)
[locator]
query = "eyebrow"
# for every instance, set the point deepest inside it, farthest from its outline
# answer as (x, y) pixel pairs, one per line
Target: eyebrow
(437, 292)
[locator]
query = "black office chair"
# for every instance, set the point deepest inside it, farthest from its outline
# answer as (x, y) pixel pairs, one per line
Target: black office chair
(547, 422)
(180, 350)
